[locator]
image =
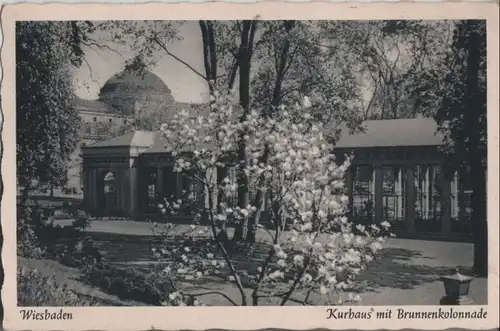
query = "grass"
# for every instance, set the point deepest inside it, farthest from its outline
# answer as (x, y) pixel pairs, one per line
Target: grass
(406, 272)
(36, 289)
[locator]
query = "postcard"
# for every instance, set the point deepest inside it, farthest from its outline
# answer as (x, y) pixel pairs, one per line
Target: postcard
(319, 165)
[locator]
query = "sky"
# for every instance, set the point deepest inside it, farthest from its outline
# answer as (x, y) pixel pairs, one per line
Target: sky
(185, 85)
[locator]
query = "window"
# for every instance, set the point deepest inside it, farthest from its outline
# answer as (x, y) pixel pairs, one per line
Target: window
(151, 189)
(95, 119)
(428, 198)
(461, 205)
(363, 194)
(110, 120)
(394, 195)
(125, 121)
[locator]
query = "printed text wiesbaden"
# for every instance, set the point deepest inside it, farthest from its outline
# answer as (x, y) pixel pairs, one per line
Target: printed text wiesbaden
(32, 314)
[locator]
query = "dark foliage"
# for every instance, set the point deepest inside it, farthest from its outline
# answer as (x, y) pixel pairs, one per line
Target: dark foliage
(128, 284)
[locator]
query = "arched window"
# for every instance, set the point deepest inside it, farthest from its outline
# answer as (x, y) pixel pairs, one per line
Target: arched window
(109, 183)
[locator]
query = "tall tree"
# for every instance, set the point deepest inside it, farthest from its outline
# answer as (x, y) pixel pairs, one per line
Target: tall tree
(391, 60)
(463, 119)
(266, 63)
(47, 124)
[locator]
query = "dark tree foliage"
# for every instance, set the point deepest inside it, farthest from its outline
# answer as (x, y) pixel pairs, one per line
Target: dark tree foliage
(47, 125)
(463, 117)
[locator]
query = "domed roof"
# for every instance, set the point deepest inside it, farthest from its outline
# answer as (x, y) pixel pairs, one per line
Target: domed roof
(124, 90)
(135, 80)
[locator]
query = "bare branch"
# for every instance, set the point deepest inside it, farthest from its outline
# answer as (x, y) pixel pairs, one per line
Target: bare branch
(93, 43)
(214, 292)
(164, 47)
(223, 250)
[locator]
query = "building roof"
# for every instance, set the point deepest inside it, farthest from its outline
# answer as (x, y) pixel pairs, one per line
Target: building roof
(132, 139)
(392, 133)
(134, 80)
(378, 133)
(160, 146)
(93, 105)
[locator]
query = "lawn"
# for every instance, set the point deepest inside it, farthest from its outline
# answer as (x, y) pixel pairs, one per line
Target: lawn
(406, 272)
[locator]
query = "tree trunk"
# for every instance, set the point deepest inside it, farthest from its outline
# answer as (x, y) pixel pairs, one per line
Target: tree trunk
(473, 99)
(25, 194)
(209, 52)
(244, 90)
(242, 62)
(284, 60)
(480, 222)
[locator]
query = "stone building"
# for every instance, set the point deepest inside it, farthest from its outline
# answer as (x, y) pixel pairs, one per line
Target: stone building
(125, 100)
(396, 176)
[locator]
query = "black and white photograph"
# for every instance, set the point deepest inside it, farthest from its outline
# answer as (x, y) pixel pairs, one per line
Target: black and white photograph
(167, 163)
(252, 162)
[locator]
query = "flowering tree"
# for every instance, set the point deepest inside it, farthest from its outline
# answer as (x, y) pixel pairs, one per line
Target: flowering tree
(311, 253)
(267, 62)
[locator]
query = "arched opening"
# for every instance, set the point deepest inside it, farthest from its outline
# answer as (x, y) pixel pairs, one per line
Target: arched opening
(110, 194)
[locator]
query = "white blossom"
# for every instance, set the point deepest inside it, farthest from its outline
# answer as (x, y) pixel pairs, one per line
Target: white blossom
(303, 183)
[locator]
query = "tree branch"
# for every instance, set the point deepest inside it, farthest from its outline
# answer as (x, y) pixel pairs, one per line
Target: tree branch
(162, 46)
(223, 250)
(213, 292)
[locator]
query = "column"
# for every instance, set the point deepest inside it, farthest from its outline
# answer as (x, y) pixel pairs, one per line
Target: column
(178, 185)
(445, 204)
(212, 181)
(118, 192)
(86, 189)
(159, 184)
(378, 183)
(200, 191)
(427, 193)
(134, 193)
(410, 198)
(93, 190)
(349, 181)
(124, 191)
(221, 174)
(454, 192)
(399, 191)
(461, 196)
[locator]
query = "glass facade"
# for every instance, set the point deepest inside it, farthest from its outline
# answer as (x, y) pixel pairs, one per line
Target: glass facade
(363, 194)
(394, 195)
(428, 198)
(411, 197)
(460, 197)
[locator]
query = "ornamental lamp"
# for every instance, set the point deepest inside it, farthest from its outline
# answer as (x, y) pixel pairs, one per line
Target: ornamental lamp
(456, 287)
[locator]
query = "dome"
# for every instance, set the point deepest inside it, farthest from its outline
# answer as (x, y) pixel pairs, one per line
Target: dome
(134, 80)
(125, 90)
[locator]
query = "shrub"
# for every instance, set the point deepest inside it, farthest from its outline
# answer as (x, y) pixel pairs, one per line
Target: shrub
(82, 221)
(35, 289)
(128, 284)
(40, 239)
(28, 244)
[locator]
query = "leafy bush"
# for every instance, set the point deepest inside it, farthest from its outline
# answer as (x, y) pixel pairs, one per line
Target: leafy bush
(80, 254)
(41, 239)
(82, 221)
(35, 289)
(128, 284)
(28, 244)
